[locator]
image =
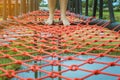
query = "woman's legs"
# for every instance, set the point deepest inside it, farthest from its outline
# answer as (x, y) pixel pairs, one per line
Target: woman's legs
(51, 5)
(63, 7)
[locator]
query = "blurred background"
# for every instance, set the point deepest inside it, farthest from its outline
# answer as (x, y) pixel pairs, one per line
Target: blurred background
(10, 7)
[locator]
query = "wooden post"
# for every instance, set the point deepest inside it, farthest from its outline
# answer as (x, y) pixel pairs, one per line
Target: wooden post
(31, 5)
(9, 8)
(21, 3)
(38, 5)
(34, 5)
(4, 9)
(27, 5)
(23, 6)
(16, 8)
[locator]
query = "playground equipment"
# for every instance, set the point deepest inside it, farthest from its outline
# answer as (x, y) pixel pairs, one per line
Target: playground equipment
(35, 47)
(30, 50)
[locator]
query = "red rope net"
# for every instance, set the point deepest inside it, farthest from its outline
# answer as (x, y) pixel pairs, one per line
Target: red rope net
(81, 50)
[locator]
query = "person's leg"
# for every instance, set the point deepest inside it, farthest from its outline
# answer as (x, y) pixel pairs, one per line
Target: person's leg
(51, 5)
(63, 7)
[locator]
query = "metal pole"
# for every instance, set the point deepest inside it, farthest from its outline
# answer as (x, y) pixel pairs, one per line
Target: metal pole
(80, 5)
(59, 59)
(86, 8)
(110, 6)
(68, 7)
(76, 7)
(4, 9)
(101, 9)
(72, 6)
(95, 8)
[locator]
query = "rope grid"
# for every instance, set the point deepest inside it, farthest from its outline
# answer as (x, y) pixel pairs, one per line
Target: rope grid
(76, 48)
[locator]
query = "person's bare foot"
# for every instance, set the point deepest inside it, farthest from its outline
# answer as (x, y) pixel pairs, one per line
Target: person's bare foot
(49, 21)
(65, 21)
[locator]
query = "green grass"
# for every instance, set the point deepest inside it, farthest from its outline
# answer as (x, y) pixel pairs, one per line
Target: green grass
(7, 60)
(117, 16)
(106, 15)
